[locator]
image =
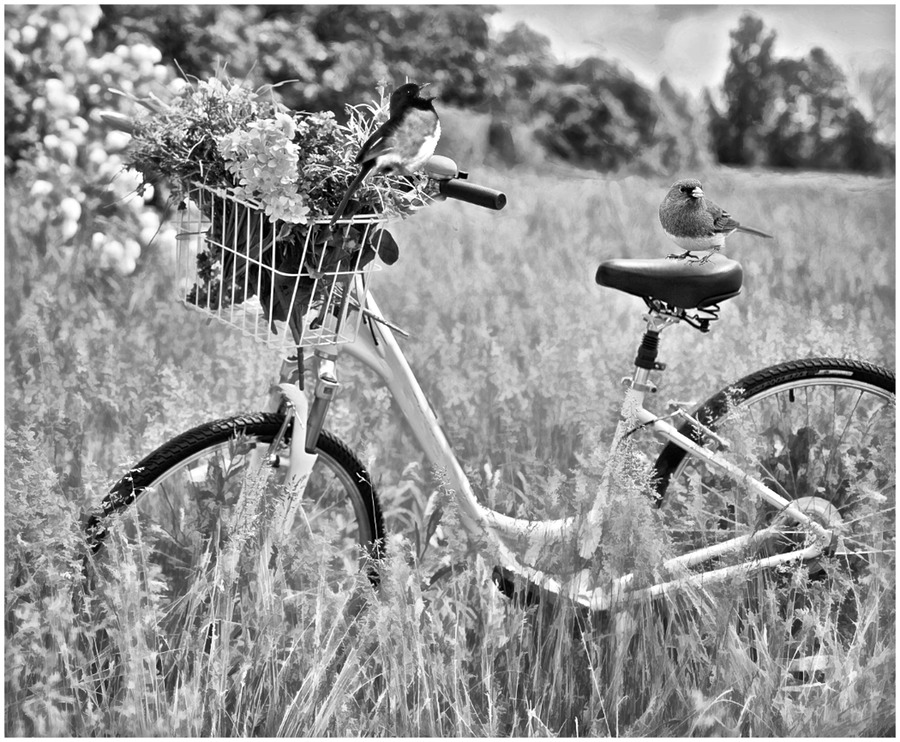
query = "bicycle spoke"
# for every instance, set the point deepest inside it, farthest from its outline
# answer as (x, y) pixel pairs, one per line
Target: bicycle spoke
(827, 443)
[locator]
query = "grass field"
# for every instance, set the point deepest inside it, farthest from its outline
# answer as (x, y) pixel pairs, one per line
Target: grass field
(521, 354)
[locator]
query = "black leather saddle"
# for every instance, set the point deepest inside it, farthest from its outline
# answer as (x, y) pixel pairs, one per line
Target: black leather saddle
(684, 284)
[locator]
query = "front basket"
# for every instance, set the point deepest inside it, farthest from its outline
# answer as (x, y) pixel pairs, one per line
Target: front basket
(285, 285)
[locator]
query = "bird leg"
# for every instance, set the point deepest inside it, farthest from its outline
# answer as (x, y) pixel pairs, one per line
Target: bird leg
(683, 256)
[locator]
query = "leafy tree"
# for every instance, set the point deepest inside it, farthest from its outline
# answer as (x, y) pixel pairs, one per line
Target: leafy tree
(446, 45)
(876, 97)
(747, 89)
(333, 55)
(198, 38)
(524, 64)
(790, 112)
(596, 115)
(858, 147)
(682, 131)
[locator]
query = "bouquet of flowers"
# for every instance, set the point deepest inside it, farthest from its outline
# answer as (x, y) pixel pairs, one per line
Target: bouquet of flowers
(280, 175)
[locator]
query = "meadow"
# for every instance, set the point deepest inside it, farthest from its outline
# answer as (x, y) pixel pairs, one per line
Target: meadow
(521, 354)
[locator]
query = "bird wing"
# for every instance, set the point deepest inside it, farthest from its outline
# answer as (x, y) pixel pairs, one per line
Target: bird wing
(723, 223)
(722, 220)
(378, 143)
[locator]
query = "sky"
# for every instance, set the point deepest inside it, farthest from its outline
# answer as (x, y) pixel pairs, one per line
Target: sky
(689, 43)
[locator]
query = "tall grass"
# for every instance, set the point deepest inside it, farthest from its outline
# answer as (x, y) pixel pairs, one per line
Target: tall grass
(521, 354)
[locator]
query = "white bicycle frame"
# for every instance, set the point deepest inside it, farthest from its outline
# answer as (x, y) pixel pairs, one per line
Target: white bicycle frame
(377, 348)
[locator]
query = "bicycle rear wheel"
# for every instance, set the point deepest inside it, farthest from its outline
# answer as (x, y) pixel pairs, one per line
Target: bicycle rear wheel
(820, 432)
(192, 518)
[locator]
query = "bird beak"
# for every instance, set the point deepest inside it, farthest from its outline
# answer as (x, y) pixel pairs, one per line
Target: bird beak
(697, 192)
(422, 87)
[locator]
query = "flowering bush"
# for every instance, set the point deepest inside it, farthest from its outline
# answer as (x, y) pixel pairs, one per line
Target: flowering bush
(59, 151)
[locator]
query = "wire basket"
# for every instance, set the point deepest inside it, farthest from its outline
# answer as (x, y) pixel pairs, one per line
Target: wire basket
(285, 285)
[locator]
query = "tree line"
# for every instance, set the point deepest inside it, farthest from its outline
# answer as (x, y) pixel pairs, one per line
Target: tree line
(784, 113)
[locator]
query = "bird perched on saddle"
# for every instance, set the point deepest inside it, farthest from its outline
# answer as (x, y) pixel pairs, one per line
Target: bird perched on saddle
(695, 223)
(402, 144)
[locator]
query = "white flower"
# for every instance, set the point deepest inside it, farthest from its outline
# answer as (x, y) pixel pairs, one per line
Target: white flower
(113, 251)
(76, 51)
(132, 249)
(145, 52)
(287, 124)
(71, 105)
(149, 226)
(97, 155)
(70, 209)
(69, 150)
(74, 136)
(90, 16)
(41, 188)
(59, 31)
(126, 266)
(116, 140)
(55, 90)
(15, 58)
(69, 228)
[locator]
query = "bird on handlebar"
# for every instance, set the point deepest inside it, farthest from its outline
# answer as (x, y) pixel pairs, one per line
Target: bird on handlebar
(402, 144)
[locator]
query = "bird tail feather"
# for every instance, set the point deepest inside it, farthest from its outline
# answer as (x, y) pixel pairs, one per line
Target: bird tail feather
(354, 184)
(757, 232)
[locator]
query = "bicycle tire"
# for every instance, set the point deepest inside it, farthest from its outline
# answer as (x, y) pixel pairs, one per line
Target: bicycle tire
(714, 409)
(184, 549)
(818, 431)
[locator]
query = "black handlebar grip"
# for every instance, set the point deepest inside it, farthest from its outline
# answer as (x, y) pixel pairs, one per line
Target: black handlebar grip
(474, 194)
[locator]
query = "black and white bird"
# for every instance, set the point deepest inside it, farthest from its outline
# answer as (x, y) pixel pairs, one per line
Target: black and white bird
(695, 223)
(402, 144)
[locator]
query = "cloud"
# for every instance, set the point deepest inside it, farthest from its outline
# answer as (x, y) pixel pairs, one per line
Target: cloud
(670, 13)
(689, 43)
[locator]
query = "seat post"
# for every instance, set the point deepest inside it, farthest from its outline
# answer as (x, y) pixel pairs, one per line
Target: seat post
(648, 351)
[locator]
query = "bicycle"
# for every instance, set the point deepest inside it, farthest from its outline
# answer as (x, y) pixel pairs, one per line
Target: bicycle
(789, 468)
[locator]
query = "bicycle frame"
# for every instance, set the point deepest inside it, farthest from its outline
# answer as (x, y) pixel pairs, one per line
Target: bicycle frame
(377, 348)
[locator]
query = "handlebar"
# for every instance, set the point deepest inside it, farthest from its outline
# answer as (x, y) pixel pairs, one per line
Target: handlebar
(487, 198)
(453, 184)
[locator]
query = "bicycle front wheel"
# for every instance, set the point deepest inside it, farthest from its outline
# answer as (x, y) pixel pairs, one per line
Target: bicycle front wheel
(193, 516)
(821, 433)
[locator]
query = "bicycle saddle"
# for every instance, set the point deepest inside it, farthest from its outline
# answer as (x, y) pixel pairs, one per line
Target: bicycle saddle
(679, 283)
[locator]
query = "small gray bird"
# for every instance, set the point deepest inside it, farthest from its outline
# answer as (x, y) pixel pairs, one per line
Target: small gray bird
(695, 223)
